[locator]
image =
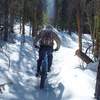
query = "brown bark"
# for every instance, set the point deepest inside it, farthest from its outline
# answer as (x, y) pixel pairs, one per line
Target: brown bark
(79, 29)
(83, 56)
(97, 88)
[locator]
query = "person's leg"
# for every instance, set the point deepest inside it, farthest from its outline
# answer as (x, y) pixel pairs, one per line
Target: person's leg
(39, 61)
(50, 57)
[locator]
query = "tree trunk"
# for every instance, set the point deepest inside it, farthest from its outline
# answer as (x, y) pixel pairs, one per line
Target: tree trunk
(11, 23)
(83, 56)
(97, 88)
(79, 29)
(97, 46)
(34, 25)
(20, 24)
(23, 18)
(23, 26)
(6, 20)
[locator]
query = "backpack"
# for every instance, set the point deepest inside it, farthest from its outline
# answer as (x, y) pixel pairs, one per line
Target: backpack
(47, 39)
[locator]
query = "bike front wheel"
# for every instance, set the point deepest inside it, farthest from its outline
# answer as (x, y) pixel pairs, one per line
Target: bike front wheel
(42, 82)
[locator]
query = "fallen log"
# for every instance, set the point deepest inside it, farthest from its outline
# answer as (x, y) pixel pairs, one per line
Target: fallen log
(83, 56)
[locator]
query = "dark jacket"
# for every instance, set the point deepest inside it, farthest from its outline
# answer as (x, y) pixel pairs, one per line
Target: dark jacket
(55, 37)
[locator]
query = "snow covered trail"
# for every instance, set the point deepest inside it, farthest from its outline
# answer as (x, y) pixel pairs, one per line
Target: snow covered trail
(66, 81)
(80, 83)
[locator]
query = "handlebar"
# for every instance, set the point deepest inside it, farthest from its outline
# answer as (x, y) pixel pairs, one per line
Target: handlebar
(39, 48)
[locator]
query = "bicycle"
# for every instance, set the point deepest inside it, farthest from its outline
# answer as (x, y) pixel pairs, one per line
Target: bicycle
(43, 69)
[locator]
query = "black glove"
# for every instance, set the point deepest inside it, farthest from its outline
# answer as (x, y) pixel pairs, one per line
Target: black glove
(36, 46)
(55, 49)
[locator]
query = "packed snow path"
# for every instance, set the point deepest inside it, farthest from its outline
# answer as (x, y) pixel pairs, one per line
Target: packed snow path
(66, 81)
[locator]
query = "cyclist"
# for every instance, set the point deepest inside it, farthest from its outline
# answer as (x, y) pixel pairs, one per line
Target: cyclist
(46, 38)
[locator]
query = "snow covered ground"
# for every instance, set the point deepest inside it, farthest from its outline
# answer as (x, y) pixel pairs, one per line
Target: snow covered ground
(66, 81)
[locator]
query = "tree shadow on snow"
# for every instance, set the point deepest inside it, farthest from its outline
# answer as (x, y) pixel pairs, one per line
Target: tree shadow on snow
(26, 60)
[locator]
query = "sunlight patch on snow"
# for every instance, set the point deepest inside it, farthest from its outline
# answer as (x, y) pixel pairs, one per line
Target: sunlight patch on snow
(14, 56)
(17, 29)
(73, 78)
(78, 83)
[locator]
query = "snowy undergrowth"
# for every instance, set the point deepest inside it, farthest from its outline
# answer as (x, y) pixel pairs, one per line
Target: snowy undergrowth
(66, 81)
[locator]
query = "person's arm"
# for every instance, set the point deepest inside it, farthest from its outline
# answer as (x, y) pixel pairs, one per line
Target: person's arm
(39, 36)
(58, 41)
